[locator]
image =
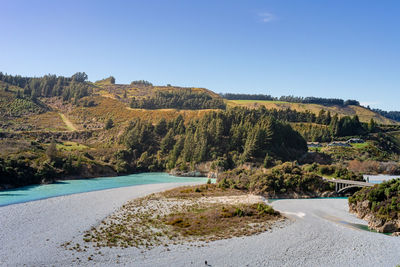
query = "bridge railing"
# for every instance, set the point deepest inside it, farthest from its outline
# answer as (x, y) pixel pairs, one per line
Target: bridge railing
(341, 185)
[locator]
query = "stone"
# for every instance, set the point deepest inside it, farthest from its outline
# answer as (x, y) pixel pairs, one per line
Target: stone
(388, 227)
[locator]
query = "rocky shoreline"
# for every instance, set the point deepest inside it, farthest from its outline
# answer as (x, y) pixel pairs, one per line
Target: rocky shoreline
(361, 210)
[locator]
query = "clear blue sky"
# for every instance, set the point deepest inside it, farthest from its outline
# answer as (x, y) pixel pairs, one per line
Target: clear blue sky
(341, 48)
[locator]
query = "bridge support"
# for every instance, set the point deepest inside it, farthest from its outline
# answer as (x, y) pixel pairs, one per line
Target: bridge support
(339, 187)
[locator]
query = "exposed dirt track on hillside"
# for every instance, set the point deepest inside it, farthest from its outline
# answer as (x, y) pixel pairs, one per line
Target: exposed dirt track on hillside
(67, 122)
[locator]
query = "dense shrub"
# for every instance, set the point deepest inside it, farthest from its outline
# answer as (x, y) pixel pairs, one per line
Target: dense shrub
(285, 179)
(384, 199)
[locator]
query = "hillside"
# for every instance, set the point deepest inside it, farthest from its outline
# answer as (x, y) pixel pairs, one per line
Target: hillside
(140, 89)
(396, 137)
(64, 127)
(103, 100)
(75, 104)
(364, 114)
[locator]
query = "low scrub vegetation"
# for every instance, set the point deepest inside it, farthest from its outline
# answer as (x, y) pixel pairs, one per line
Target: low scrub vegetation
(376, 149)
(334, 171)
(187, 214)
(222, 220)
(202, 191)
(286, 180)
(374, 167)
(383, 199)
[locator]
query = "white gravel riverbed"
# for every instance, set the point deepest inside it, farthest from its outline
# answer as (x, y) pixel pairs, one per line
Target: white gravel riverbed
(318, 234)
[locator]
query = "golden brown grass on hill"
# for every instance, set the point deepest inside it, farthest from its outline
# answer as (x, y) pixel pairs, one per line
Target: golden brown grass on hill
(112, 101)
(120, 113)
(49, 121)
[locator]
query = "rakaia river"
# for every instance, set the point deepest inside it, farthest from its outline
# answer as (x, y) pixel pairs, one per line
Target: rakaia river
(68, 187)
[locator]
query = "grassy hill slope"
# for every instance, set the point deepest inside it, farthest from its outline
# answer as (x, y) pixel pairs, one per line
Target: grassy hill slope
(63, 133)
(109, 100)
(364, 114)
(119, 91)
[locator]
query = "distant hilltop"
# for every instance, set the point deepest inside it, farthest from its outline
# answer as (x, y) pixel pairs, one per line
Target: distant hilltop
(315, 104)
(141, 94)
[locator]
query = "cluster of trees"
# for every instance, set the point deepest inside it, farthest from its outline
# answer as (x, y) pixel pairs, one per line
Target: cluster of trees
(182, 99)
(290, 115)
(228, 137)
(12, 108)
(328, 126)
(346, 126)
(17, 172)
(141, 83)
(231, 96)
(237, 135)
(394, 115)
(50, 85)
(20, 171)
(314, 132)
(292, 99)
(319, 100)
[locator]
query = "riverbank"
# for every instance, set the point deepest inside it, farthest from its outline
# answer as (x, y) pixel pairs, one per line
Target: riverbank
(319, 232)
(32, 232)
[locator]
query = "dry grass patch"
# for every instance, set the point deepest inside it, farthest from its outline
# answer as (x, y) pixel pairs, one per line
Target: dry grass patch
(94, 117)
(219, 221)
(71, 146)
(13, 146)
(208, 190)
(48, 121)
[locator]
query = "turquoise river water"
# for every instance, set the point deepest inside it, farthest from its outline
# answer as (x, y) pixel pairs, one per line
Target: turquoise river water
(68, 187)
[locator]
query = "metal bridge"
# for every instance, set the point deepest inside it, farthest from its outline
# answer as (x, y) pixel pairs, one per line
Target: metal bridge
(343, 185)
